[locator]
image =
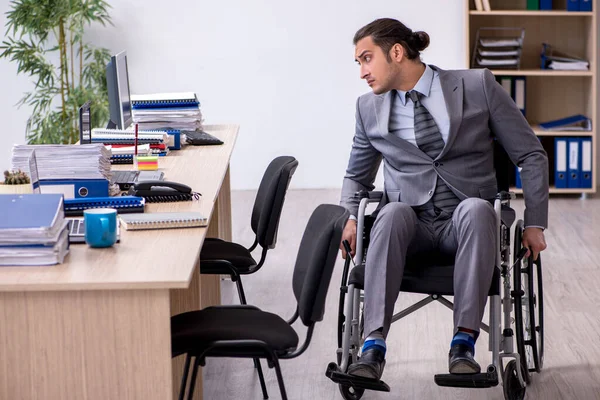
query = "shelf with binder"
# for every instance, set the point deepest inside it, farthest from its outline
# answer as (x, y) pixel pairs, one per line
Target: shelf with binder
(541, 72)
(555, 190)
(551, 94)
(539, 13)
(541, 132)
(533, 6)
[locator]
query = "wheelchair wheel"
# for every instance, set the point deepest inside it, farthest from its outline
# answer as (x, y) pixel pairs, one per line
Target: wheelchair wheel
(529, 309)
(350, 392)
(510, 382)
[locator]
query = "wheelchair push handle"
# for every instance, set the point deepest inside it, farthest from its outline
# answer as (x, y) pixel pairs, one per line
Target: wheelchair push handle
(521, 254)
(346, 245)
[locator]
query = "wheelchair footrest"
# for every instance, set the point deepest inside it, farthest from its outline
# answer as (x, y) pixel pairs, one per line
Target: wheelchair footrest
(483, 380)
(357, 382)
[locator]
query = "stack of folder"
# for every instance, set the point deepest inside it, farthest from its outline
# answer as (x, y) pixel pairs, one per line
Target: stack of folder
(73, 170)
(554, 59)
(174, 111)
(33, 229)
(122, 143)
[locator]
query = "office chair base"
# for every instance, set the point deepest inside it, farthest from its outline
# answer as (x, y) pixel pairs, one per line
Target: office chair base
(483, 380)
(357, 382)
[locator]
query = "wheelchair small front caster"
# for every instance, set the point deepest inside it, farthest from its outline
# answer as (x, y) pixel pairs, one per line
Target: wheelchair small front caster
(350, 392)
(512, 387)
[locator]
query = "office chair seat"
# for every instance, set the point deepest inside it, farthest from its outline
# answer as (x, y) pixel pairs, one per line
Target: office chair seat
(237, 255)
(430, 273)
(194, 330)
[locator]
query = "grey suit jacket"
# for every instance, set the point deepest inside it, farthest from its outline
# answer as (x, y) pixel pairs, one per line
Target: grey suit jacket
(480, 110)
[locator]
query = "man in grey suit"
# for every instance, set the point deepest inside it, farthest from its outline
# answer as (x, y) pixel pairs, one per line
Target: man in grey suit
(434, 131)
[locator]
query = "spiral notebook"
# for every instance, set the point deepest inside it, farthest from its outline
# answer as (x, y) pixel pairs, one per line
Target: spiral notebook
(162, 100)
(162, 220)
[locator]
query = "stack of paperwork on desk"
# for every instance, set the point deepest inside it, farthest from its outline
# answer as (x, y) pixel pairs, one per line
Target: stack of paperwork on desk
(33, 229)
(62, 162)
(178, 111)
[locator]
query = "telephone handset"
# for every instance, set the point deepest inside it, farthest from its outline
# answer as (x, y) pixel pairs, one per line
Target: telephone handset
(162, 191)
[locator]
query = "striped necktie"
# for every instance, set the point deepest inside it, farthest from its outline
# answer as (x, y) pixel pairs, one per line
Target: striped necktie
(430, 141)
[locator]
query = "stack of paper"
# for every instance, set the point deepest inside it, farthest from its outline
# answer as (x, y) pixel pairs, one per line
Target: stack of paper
(86, 161)
(33, 230)
(180, 111)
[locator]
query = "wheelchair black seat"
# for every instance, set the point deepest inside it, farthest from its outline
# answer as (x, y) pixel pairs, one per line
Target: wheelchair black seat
(426, 273)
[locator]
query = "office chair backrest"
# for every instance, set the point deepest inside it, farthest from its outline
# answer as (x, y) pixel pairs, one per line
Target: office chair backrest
(270, 198)
(316, 258)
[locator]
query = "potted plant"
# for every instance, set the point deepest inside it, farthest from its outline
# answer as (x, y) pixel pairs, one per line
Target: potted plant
(46, 40)
(16, 182)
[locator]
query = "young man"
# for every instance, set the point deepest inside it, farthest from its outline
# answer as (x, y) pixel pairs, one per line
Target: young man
(434, 130)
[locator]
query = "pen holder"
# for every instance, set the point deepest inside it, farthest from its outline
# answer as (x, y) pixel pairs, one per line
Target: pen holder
(145, 163)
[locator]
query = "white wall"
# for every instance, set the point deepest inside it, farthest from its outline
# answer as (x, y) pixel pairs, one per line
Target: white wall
(283, 70)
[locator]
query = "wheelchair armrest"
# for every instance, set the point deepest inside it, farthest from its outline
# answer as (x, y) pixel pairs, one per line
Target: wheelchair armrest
(503, 196)
(364, 194)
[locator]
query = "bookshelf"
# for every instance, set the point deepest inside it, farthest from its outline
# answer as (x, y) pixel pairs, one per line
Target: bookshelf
(550, 94)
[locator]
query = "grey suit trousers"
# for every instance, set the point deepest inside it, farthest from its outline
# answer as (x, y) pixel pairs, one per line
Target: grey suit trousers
(469, 234)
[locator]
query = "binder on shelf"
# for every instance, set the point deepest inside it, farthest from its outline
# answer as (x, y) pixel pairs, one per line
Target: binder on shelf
(123, 204)
(546, 5)
(573, 123)
(518, 183)
(533, 5)
(478, 5)
(560, 162)
(585, 5)
(519, 91)
(574, 160)
(506, 83)
(558, 60)
(75, 188)
(586, 163)
(486, 5)
(572, 5)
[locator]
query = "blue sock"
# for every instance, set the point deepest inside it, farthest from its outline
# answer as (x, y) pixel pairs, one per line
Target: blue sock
(374, 341)
(464, 338)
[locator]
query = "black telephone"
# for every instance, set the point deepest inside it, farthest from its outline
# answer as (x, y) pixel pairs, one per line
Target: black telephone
(162, 191)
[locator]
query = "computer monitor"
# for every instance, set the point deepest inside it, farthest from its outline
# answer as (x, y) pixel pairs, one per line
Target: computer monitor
(119, 97)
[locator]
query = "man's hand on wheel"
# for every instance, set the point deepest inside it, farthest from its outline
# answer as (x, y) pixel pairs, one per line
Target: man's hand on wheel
(533, 239)
(349, 234)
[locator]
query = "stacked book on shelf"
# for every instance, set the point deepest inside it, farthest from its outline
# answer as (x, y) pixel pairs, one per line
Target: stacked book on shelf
(498, 48)
(177, 111)
(33, 230)
(73, 170)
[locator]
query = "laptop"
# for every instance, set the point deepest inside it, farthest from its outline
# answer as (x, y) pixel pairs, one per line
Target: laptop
(77, 231)
(126, 179)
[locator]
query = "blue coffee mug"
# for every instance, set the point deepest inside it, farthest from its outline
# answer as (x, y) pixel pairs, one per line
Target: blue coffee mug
(100, 227)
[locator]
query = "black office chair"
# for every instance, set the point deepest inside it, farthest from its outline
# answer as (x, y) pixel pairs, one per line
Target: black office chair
(244, 331)
(227, 258)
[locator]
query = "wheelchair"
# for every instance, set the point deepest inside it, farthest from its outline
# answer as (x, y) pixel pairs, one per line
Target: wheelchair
(431, 274)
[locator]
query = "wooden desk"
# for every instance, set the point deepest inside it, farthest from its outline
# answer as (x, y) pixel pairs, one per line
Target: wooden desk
(98, 326)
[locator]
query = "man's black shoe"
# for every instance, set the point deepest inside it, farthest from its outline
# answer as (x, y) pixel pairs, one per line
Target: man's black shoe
(461, 360)
(370, 364)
